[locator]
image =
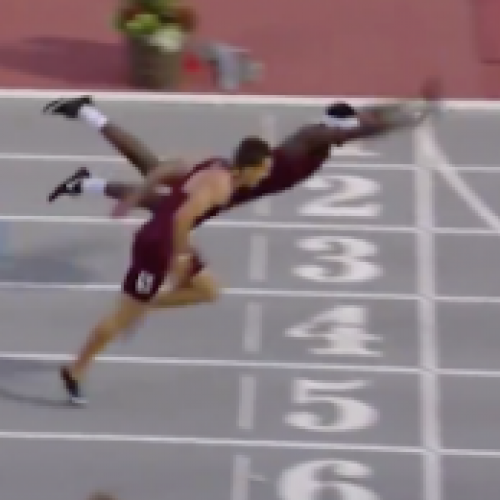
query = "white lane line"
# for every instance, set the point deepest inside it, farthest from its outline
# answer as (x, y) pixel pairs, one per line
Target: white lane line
(252, 327)
(240, 477)
(209, 363)
(219, 223)
(253, 292)
(241, 292)
(245, 224)
(247, 398)
(334, 163)
(120, 439)
(258, 258)
(245, 364)
(203, 441)
(424, 199)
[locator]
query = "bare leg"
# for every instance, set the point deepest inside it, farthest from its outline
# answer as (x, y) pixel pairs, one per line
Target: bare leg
(200, 289)
(124, 315)
(83, 108)
(131, 147)
(120, 190)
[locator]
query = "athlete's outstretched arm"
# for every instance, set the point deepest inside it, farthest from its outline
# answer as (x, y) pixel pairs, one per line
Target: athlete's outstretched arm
(400, 115)
(380, 120)
(327, 137)
(406, 113)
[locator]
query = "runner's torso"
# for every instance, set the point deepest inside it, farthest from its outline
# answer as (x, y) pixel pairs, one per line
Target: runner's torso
(162, 218)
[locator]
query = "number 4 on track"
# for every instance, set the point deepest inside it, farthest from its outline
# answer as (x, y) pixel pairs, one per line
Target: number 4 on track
(343, 331)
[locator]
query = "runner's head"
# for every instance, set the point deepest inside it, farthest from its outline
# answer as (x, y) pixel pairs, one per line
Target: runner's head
(340, 115)
(252, 161)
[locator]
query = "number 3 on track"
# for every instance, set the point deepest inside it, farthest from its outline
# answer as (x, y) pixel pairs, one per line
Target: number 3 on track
(347, 258)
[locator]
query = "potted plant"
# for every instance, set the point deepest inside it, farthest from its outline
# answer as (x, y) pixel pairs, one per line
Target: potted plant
(155, 32)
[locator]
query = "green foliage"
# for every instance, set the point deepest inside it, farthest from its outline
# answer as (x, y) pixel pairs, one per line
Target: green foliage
(143, 17)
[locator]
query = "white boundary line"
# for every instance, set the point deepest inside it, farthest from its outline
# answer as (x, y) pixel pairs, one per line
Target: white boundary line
(471, 373)
(23, 286)
(424, 198)
(336, 162)
(205, 441)
(471, 453)
(66, 158)
(223, 99)
(213, 363)
(242, 292)
(90, 438)
(253, 292)
(98, 220)
(245, 364)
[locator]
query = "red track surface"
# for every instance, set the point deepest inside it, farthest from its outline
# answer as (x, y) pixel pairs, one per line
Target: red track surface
(313, 47)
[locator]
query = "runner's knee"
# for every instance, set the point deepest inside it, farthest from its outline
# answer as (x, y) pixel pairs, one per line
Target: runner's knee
(206, 284)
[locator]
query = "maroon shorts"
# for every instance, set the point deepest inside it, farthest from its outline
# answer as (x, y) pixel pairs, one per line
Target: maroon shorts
(150, 263)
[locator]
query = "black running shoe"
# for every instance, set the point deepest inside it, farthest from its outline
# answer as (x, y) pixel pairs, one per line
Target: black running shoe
(72, 387)
(67, 107)
(72, 186)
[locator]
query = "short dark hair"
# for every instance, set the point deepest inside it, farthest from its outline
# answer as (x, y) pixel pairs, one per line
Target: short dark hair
(251, 151)
(340, 109)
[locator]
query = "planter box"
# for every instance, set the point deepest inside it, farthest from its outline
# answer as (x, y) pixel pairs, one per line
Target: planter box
(152, 68)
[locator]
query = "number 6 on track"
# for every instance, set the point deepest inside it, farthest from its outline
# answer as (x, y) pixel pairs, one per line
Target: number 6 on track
(328, 478)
